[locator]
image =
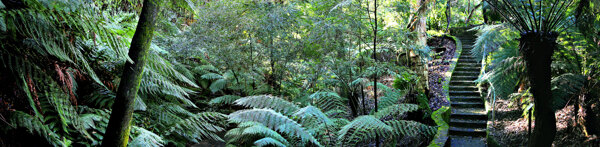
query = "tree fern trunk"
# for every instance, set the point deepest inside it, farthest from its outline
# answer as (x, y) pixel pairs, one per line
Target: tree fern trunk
(537, 50)
(117, 132)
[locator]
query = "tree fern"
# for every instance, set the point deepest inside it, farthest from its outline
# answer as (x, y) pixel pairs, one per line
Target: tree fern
(361, 129)
(410, 128)
(275, 121)
(268, 141)
(212, 76)
(224, 100)
(145, 138)
(395, 110)
(490, 38)
(262, 131)
(312, 112)
(328, 101)
(198, 127)
(268, 101)
(218, 85)
(565, 87)
(34, 126)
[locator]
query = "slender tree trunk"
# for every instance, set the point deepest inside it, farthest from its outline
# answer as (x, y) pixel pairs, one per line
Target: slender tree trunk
(117, 132)
(448, 15)
(537, 50)
(375, 61)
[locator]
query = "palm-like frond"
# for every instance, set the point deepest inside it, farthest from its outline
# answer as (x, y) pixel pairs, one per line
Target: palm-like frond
(361, 129)
(275, 121)
(224, 100)
(328, 101)
(145, 138)
(312, 112)
(269, 102)
(199, 126)
(490, 38)
(268, 141)
(565, 87)
(34, 126)
(410, 128)
(395, 110)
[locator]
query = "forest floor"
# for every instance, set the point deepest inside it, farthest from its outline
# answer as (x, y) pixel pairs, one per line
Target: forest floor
(438, 66)
(511, 129)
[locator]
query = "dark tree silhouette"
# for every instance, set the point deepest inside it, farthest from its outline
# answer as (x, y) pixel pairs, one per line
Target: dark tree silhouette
(537, 21)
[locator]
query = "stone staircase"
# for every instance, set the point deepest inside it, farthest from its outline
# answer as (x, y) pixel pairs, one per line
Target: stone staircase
(468, 120)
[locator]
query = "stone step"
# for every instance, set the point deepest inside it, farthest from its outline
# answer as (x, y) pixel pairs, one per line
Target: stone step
(468, 60)
(467, 104)
(465, 99)
(466, 73)
(468, 123)
(468, 64)
(462, 82)
(464, 93)
(473, 68)
(456, 87)
(467, 131)
(464, 77)
(469, 113)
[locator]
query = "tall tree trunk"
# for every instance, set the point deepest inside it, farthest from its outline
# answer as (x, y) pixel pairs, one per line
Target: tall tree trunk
(537, 50)
(117, 132)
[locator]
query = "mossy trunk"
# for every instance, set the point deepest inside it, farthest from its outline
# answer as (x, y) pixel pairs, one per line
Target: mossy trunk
(117, 132)
(537, 50)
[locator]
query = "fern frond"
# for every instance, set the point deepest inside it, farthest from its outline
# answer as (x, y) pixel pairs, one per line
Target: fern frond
(328, 101)
(212, 76)
(163, 67)
(218, 85)
(145, 138)
(268, 141)
(275, 121)
(200, 126)
(224, 100)
(565, 87)
(361, 129)
(269, 102)
(410, 128)
(34, 126)
(312, 112)
(395, 110)
(264, 131)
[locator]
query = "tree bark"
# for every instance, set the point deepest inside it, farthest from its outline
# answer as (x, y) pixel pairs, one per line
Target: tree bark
(117, 132)
(537, 50)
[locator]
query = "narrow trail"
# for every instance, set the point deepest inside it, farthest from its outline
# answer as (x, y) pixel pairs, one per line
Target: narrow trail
(468, 119)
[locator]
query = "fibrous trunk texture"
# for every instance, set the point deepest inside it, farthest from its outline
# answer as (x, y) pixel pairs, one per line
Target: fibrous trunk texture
(537, 49)
(117, 132)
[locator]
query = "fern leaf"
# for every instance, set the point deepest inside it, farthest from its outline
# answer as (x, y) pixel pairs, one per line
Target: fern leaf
(565, 87)
(312, 112)
(328, 101)
(145, 138)
(395, 110)
(274, 120)
(268, 141)
(218, 85)
(410, 128)
(211, 76)
(268, 101)
(224, 100)
(361, 129)
(200, 126)
(264, 131)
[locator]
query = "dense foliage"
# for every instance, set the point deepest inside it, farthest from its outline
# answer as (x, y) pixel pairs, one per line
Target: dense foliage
(261, 72)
